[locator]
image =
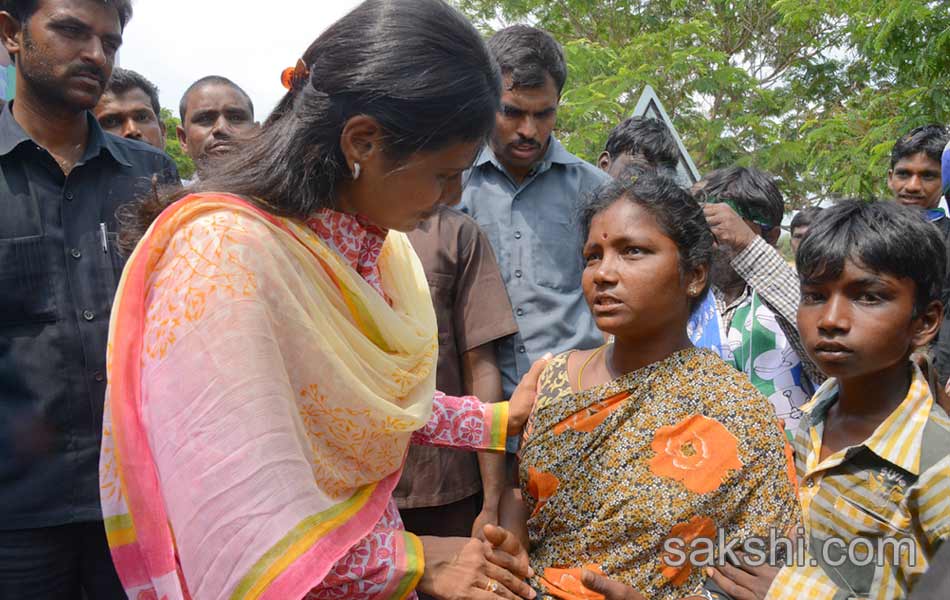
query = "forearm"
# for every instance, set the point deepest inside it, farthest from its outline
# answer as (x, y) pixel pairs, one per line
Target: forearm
(482, 378)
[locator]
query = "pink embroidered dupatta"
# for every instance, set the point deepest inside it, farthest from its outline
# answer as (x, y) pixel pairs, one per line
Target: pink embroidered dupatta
(301, 386)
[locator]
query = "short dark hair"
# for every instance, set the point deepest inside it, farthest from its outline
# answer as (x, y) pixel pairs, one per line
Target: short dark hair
(750, 189)
(22, 10)
(678, 213)
(418, 67)
(527, 54)
(124, 80)
(646, 136)
(805, 217)
(211, 80)
(884, 237)
(929, 139)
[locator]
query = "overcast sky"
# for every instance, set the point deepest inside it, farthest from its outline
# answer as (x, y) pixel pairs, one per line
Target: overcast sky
(175, 42)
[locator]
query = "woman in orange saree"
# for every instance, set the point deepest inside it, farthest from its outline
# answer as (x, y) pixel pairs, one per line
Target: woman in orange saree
(638, 449)
(273, 342)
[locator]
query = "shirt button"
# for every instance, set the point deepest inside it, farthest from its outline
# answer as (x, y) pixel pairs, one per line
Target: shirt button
(521, 349)
(88, 315)
(99, 376)
(69, 196)
(519, 312)
(517, 235)
(75, 253)
(518, 273)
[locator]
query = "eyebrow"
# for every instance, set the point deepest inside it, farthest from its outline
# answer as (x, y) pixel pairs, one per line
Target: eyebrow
(68, 21)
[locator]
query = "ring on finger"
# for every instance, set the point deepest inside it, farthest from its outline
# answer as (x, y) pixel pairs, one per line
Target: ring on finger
(491, 586)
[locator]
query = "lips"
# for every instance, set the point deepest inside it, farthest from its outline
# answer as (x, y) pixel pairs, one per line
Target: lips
(606, 303)
(832, 350)
(524, 150)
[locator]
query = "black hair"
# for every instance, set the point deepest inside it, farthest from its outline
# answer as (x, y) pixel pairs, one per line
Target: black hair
(751, 190)
(805, 217)
(644, 136)
(884, 237)
(527, 54)
(211, 80)
(416, 66)
(929, 139)
(678, 213)
(22, 10)
(124, 80)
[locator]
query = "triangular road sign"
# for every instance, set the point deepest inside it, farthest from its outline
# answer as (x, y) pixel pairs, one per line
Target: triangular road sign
(649, 105)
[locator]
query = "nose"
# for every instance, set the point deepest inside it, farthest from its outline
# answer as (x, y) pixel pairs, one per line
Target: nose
(835, 316)
(914, 184)
(222, 128)
(94, 53)
(528, 128)
(606, 273)
(130, 130)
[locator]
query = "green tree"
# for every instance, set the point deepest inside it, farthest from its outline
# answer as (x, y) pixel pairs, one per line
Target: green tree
(186, 167)
(814, 91)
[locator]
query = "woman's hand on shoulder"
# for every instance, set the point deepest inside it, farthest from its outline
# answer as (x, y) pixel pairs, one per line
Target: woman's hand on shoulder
(462, 568)
(522, 400)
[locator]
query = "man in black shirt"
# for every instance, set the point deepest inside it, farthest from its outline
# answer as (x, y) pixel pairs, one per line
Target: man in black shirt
(61, 180)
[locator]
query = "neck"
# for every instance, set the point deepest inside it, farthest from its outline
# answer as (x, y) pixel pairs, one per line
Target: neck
(62, 132)
(875, 395)
(732, 290)
(629, 355)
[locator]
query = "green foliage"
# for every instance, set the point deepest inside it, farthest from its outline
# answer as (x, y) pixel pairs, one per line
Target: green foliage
(186, 168)
(814, 91)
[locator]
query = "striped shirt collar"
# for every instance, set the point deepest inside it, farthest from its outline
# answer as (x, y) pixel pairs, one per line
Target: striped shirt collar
(896, 440)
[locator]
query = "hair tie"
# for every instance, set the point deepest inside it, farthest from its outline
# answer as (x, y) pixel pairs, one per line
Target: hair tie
(294, 77)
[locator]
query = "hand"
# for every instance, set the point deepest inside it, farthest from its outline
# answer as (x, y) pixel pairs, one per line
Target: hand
(488, 516)
(731, 231)
(611, 590)
(745, 582)
(522, 401)
(462, 569)
(504, 550)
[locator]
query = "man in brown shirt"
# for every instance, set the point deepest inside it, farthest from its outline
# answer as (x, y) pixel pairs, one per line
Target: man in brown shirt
(439, 490)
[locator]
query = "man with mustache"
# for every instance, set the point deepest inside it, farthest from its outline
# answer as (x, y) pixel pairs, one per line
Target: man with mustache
(915, 178)
(61, 180)
(215, 113)
(523, 191)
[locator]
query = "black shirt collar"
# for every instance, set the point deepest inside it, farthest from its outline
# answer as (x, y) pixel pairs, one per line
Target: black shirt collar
(12, 135)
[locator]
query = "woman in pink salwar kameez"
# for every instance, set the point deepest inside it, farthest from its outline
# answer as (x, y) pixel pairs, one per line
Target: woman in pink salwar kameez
(273, 343)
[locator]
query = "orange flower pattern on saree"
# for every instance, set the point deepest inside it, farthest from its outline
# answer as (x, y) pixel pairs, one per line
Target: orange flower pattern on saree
(698, 451)
(542, 486)
(695, 528)
(566, 583)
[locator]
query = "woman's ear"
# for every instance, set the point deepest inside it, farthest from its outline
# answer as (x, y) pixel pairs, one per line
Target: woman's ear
(927, 324)
(696, 280)
(361, 141)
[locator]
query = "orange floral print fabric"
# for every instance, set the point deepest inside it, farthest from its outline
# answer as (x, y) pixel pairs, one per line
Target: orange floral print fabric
(686, 447)
(684, 533)
(566, 583)
(698, 451)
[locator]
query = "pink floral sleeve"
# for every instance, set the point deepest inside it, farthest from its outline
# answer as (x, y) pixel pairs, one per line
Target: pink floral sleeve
(464, 423)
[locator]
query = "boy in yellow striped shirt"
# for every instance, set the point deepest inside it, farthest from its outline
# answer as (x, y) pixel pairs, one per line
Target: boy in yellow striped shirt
(872, 449)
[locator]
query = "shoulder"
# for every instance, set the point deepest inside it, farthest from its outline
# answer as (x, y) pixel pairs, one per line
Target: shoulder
(935, 440)
(726, 392)
(589, 177)
(144, 158)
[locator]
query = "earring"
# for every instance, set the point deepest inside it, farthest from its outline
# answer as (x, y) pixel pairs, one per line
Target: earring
(693, 291)
(356, 171)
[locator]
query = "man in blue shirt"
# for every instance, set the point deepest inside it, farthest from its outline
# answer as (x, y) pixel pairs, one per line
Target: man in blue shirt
(523, 192)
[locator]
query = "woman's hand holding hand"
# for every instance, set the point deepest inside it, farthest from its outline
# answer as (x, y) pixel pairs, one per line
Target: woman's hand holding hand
(522, 400)
(462, 568)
